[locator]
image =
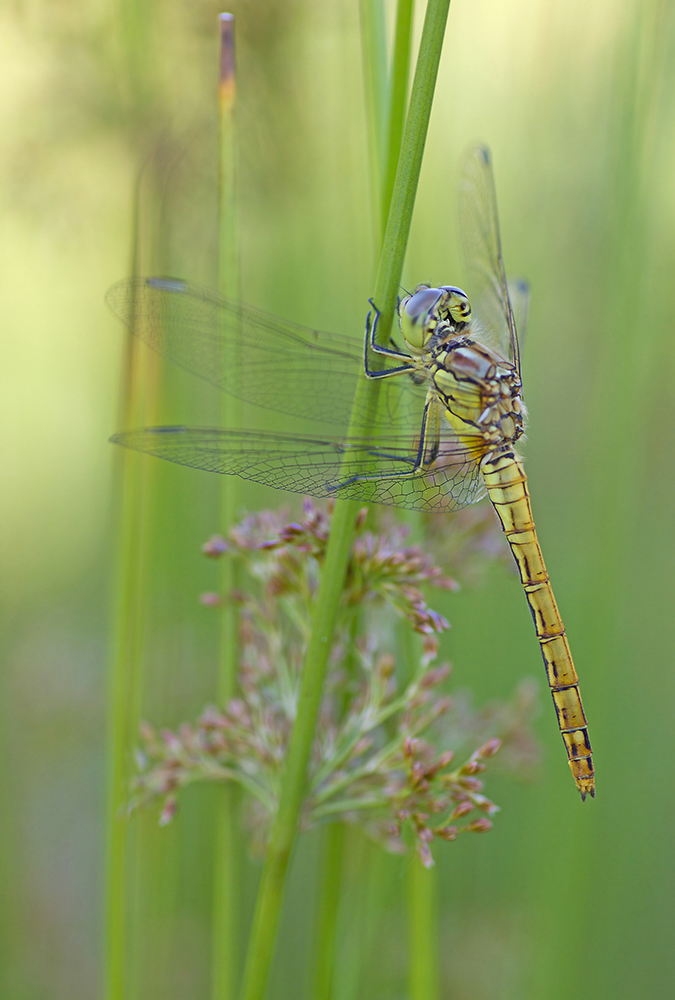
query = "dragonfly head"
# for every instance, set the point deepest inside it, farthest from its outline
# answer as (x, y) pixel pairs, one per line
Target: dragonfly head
(421, 313)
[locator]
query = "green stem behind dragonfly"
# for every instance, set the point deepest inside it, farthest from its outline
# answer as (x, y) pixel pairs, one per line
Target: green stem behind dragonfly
(421, 884)
(226, 888)
(268, 904)
(386, 113)
(125, 673)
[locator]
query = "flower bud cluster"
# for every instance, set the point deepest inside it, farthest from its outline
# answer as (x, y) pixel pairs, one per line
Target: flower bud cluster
(434, 796)
(370, 765)
(382, 568)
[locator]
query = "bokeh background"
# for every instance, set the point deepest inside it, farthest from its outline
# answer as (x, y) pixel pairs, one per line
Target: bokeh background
(577, 102)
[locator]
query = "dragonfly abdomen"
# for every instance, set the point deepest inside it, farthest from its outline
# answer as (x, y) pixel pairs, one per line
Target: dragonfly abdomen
(506, 484)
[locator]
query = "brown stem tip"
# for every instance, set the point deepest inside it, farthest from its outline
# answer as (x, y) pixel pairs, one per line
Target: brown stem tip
(227, 81)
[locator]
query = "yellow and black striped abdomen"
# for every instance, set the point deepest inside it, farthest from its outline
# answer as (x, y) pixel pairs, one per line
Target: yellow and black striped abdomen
(506, 485)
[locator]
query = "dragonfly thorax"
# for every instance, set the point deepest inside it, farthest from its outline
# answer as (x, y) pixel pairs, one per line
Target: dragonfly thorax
(480, 393)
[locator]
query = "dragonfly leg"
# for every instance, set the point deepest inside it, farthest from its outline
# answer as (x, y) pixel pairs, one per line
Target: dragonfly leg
(430, 439)
(371, 327)
(419, 463)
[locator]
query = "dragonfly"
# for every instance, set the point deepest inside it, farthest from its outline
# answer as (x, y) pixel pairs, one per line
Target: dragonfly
(444, 431)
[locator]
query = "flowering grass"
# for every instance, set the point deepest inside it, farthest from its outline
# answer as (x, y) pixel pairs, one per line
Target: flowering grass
(397, 760)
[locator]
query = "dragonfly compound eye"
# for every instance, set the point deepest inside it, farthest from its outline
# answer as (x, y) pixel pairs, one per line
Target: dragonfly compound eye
(418, 316)
(456, 305)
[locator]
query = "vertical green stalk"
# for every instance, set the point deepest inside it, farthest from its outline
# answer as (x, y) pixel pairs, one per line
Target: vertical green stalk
(284, 828)
(422, 958)
(125, 673)
(374, 51)
(226, 909)
(421, 884)
(422, 932)
(386, 117)
(326, 926)
(123, 696)
(398, 100)
(369, 889)
(125, 668)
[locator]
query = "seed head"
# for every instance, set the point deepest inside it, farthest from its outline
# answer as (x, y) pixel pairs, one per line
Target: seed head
(397, 759)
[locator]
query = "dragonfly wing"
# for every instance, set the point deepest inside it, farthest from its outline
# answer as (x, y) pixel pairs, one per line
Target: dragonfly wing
(488, 291)
(519, 296)
(249, 353)
(372, 471)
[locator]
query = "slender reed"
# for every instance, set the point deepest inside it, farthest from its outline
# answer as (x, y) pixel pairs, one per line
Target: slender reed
(282, 837)
(421, 883)
(398, 100)
(332, 857)
(226, 902)
(374, 55)
(422, 932)
(386, 111)
(125, 672)
(123, 697)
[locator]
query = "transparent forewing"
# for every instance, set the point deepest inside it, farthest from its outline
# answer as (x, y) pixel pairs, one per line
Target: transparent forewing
(371, 471)
(253, 355)
(487, 288)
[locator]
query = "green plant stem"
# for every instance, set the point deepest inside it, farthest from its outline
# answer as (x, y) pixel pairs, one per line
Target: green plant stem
(228, 283)
(409, 165)
(125, 673)
(373, 35)
(226, 908)
(326, 928)
(422, 883)
(398, 99)
(374, 52)
(284, 827)
(282, 836)
(123, 697)
(369, 894)
(225, 925)
(422, 932)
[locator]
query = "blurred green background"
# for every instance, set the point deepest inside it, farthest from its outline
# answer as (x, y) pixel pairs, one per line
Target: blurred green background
(577, 102)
